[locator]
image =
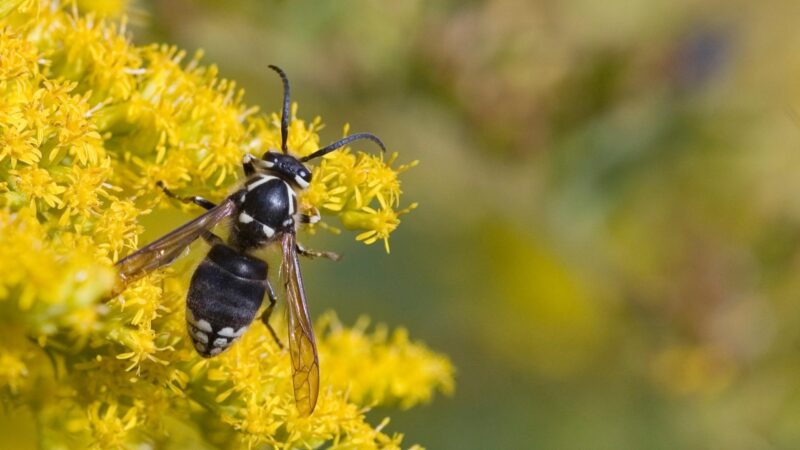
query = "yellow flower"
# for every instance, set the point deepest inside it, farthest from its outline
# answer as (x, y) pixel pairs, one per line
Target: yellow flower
(88, 124)
(109, 429)
(117, 228)
(379, 222)
(18, 144)
(391, 369)
(362, 190)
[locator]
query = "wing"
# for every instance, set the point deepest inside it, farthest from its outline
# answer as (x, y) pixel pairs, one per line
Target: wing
(165, 250)
(305, 366)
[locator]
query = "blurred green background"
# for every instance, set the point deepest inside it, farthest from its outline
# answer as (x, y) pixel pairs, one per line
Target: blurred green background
(608, 242)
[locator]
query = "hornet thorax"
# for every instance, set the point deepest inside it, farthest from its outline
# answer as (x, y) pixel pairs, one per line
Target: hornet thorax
(268, 206)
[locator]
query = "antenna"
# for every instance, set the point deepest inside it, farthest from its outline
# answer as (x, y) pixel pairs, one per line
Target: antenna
(285, 110)
(342, 142)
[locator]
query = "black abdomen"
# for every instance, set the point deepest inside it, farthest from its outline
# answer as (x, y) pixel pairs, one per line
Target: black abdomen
(224, 296)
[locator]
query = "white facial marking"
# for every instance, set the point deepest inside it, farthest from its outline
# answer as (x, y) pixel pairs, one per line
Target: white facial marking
(200, 336)
(240, 332)
(261, 180)
(245, 218)
(268, 232)
(300, 181)
(227, 332)
(215, 351)
(203, 325)
(220, 342)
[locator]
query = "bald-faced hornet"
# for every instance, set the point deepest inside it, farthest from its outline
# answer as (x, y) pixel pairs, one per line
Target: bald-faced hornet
(228, 287)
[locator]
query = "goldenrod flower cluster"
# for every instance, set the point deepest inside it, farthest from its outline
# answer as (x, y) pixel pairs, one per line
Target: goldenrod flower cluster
(88, 124)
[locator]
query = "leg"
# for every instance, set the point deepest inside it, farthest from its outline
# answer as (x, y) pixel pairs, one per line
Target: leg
(268, 312)
(315, 254)
(200, 201)
(305, 218)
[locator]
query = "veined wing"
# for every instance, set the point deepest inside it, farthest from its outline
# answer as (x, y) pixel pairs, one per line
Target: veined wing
(305, 365)
(166, 249)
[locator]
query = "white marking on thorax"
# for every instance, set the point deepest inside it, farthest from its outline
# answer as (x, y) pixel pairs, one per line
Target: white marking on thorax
(245, 218)
(292, 197)
(261, 180)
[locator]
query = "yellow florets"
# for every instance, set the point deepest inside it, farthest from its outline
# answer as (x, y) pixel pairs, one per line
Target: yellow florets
(109, 428)
(361, 189)
(88, 124)
(373, 378)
